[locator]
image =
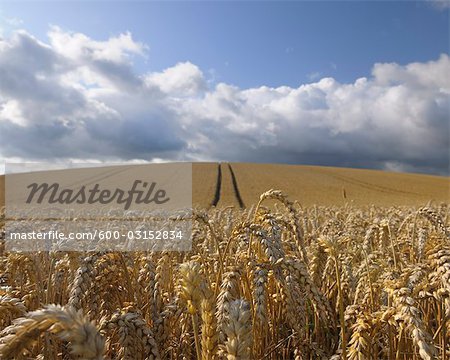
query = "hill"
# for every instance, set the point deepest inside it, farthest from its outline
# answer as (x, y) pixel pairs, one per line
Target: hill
(318, 185)
(240, 184)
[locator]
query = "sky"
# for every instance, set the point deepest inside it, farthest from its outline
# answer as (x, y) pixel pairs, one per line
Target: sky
(338, 83)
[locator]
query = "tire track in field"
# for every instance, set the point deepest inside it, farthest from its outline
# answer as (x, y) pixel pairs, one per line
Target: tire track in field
(373, 187)
(237, 194)
(218, 185)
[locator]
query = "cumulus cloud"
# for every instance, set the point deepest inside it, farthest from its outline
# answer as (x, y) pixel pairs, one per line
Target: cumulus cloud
(183, 79)
(74, 97)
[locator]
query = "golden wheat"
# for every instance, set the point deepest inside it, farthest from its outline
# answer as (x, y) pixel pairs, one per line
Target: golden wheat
(276, 281)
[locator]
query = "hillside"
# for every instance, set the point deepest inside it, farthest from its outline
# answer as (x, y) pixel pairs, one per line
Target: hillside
(240, 184)
(317, 185)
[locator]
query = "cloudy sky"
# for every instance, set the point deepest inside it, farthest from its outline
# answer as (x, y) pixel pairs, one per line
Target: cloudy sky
(356, 84)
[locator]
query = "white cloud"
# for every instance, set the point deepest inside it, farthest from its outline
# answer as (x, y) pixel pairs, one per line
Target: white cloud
(183, 79)
(75, 97)
(440, 4)
(79, 47)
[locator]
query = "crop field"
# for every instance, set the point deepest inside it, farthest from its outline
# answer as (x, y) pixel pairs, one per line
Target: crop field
(340, 264)
(239, 185)
(314, 185)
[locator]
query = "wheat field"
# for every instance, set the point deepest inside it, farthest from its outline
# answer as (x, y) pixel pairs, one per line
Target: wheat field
(359, 269)
(315, 185)
(310, 185)
(273, 281)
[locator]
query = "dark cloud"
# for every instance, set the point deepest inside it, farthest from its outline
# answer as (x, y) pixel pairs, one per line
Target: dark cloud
(77, 98)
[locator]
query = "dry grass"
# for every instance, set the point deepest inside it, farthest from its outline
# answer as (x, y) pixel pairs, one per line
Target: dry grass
(282, 282)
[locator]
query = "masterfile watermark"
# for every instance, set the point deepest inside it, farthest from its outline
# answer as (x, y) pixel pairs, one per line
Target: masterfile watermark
(119, 208)
(53, 193)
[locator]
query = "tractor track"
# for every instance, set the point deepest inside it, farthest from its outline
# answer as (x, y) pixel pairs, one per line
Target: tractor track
(237, 194)
(220, 189)
(218, 186)
(369, 186)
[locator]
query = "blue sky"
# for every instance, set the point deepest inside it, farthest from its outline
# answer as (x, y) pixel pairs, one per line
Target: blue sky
(360, 84)
(256, 43)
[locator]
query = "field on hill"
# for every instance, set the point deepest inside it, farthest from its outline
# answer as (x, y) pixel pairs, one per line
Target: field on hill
(314, 185)
(345, 264)
(240, 184)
